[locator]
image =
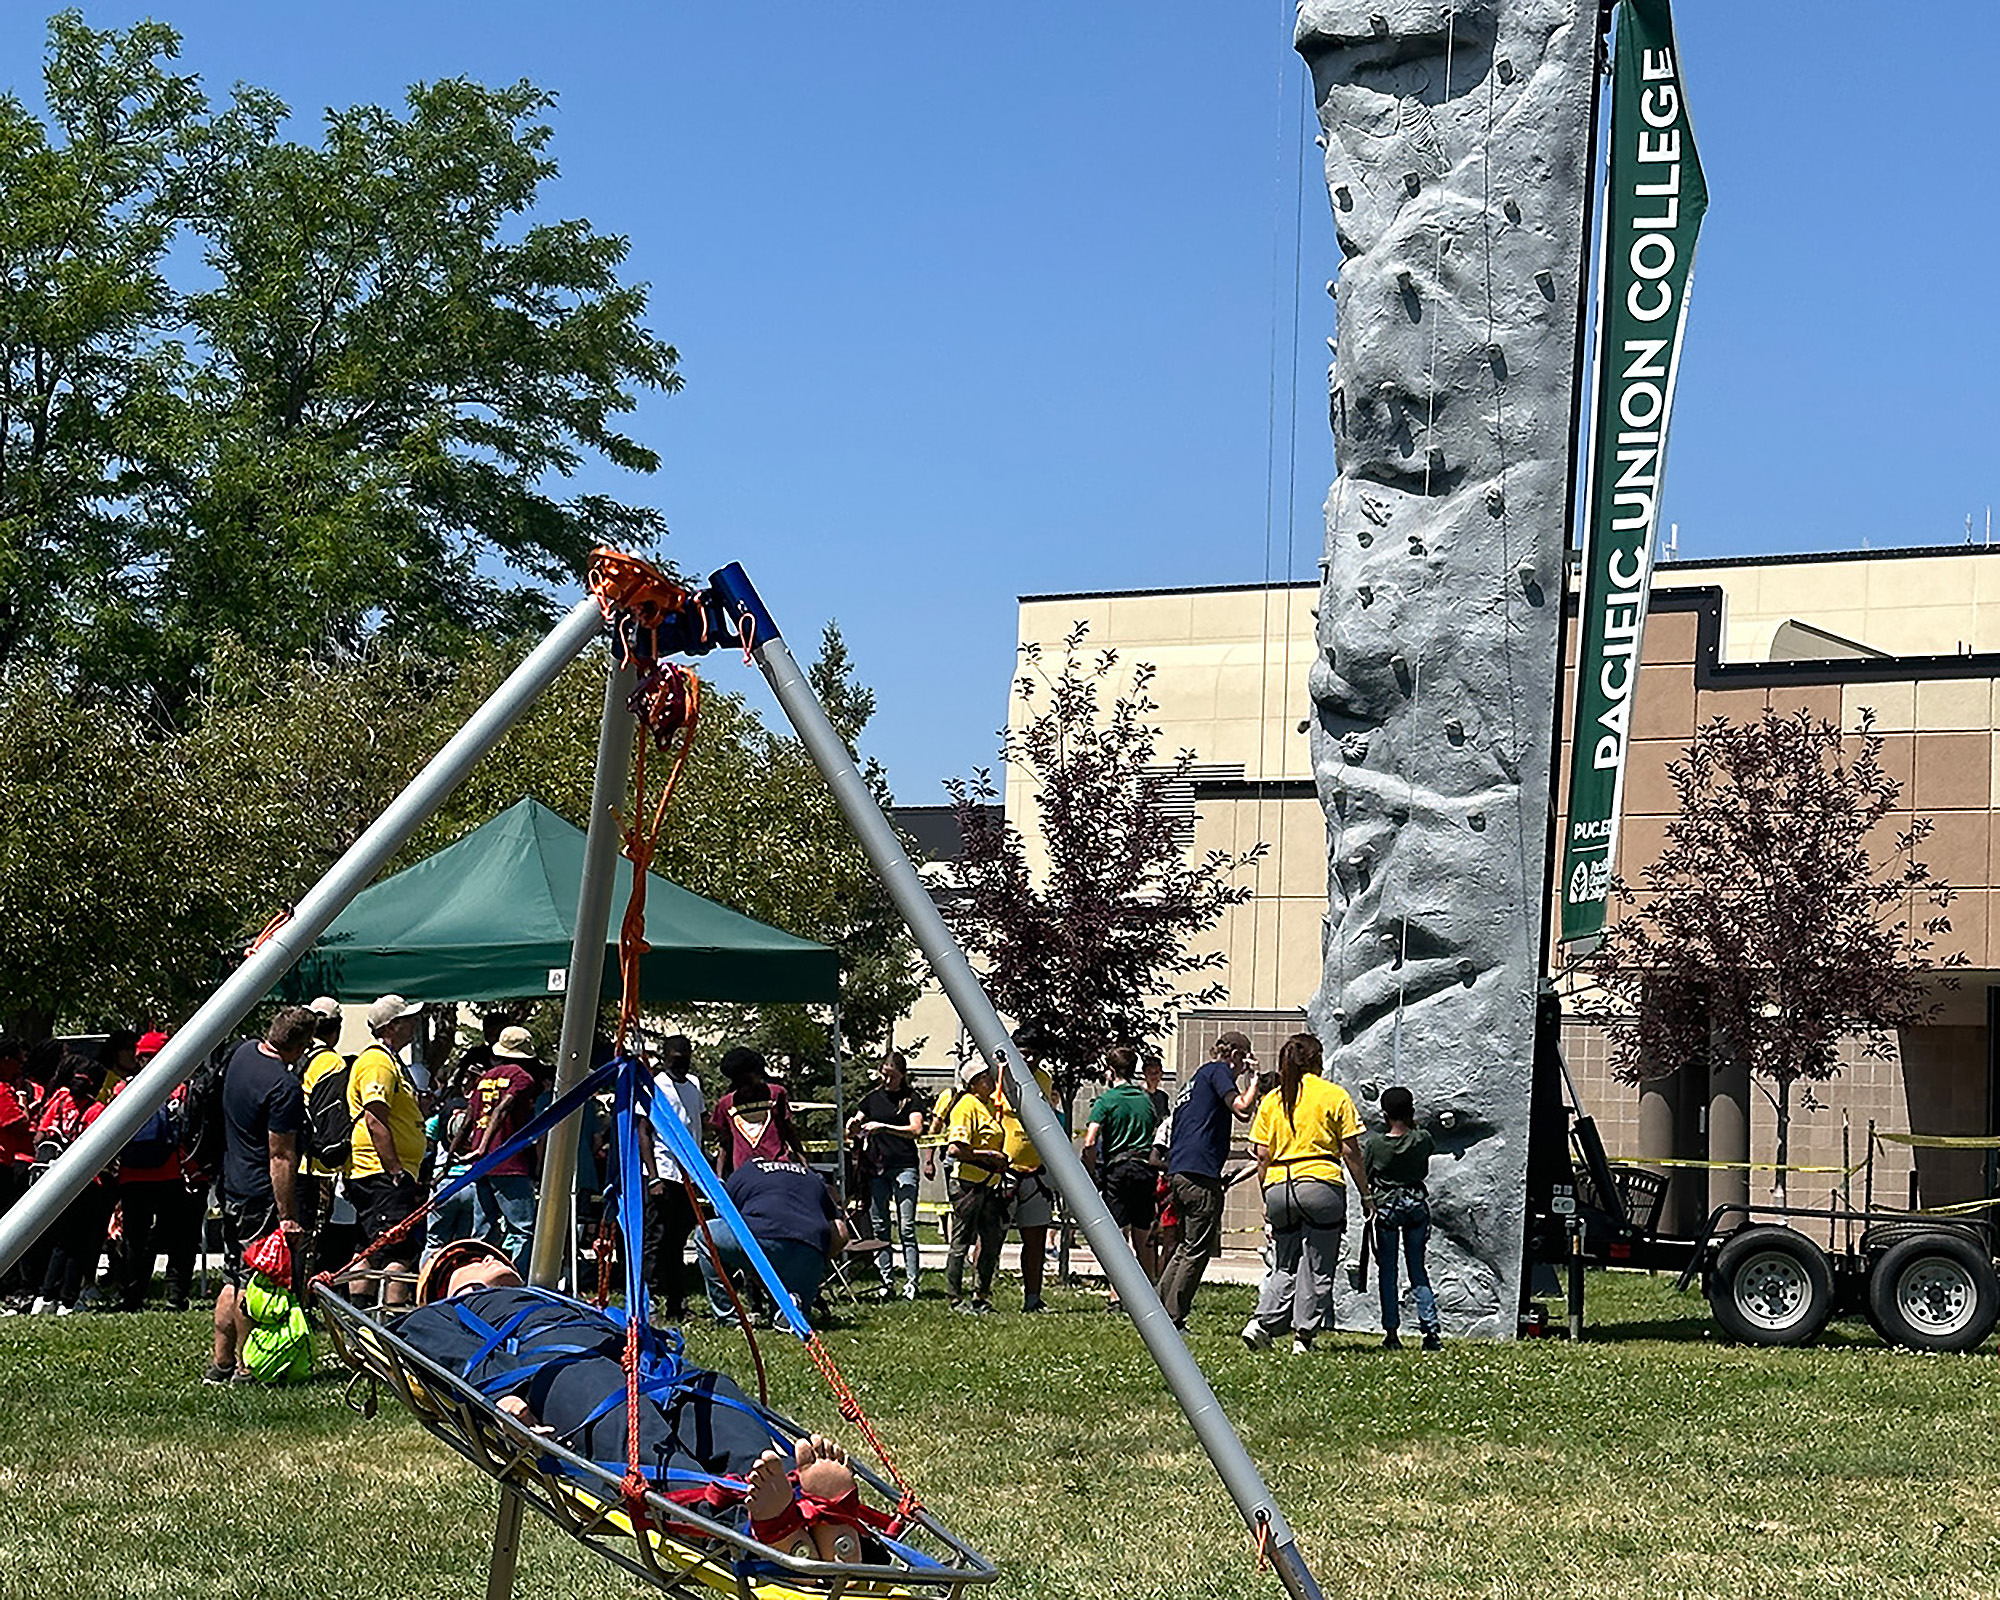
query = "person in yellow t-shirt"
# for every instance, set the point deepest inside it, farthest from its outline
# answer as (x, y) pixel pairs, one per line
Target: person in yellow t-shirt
(976, 1141)
(1034, 1199)
(1304, 1130)
(388, 1138)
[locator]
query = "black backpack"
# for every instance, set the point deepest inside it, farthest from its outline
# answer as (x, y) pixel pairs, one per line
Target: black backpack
(329, 1124)
(202, 1135)
(159, 1136)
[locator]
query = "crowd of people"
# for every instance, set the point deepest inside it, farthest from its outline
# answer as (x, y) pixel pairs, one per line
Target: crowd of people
(337, 1154)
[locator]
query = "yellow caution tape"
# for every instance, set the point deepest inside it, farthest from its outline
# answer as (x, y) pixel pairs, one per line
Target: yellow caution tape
(1940, 1141)
(1960, 1209)
(1727, 1166)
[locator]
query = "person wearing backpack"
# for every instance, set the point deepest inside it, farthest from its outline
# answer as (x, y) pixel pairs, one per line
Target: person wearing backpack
(329, 1138)
(388, 1139)
(153, 1197)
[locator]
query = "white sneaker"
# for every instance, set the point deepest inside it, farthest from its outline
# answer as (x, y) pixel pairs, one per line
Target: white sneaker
(40, 1306)
(1255, 1336)
(1301, 1347)
(910, 1289)
(65, 1311)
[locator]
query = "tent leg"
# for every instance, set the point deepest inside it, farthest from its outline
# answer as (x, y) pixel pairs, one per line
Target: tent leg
(506, 1547)
(1184, 1377)
(554, 1217)
(839, 1108)
(249, 983)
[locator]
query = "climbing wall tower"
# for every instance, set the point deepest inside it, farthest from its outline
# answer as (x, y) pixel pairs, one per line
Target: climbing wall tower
(1456, 135)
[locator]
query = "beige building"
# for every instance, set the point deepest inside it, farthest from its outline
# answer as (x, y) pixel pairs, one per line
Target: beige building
(1913, 635)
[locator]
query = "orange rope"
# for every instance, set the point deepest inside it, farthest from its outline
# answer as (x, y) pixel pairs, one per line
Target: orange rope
(668, 703)
(263, 936)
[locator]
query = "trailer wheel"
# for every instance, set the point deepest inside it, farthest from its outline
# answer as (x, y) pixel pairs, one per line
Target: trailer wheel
(1935, 1292)
(1771, 1286)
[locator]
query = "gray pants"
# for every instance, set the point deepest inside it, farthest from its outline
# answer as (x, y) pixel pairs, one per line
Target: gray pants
(1307, 1216)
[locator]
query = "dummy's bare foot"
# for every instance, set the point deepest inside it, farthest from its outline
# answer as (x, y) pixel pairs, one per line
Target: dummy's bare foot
(770, 1507)
(824, 1474)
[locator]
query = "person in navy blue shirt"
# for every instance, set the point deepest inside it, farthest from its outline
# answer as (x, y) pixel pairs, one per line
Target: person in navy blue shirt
(1202, 1122)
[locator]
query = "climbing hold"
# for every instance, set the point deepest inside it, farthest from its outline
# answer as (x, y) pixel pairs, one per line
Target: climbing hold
(1413, 183)
(1505, 69)
(1343, 197)
(1496, 502)
(1512, 207)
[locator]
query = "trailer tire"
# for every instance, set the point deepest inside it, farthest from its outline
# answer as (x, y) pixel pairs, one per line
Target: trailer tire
(1771, 1286)
(1937, 1291)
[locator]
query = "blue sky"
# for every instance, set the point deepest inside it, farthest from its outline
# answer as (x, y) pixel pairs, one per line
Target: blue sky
(973, 311)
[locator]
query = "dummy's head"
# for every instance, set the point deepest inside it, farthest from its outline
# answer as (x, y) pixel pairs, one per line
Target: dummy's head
(461, 1265)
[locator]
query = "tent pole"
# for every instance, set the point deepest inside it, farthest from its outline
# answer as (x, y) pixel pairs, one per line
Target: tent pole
(839, 1108)
(252, 981)
(1107, 1240)
(585, 984)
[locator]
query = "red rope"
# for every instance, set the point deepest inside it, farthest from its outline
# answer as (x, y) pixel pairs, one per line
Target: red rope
(735, 1300)
(851, 1409)
(634, 1486)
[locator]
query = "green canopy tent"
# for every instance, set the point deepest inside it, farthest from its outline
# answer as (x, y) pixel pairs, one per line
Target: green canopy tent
(492, 918)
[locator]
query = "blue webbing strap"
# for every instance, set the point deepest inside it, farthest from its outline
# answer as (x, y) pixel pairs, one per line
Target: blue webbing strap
(679, 1138)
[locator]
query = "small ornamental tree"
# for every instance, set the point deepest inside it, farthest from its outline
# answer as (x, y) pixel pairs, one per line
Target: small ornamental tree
(1786, 912)
(1097, 948)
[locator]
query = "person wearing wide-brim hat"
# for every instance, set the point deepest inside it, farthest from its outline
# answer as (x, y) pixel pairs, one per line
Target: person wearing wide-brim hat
(498, 1106)
(388, 1139)
(976, 1141)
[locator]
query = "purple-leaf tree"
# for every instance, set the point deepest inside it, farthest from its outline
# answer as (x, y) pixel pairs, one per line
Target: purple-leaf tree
(1093, 939)
(1789, 910)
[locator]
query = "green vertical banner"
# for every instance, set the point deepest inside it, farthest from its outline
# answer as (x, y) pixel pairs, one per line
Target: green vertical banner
(1654, 200)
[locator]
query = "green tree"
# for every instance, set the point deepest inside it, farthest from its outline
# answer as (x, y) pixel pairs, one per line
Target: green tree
(1091, 946)
(1786, 912)
(353, 425)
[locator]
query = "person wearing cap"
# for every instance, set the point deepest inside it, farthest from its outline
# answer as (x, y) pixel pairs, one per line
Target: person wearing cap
(976, 1141)
(263, 1114)
(155, 1203)
(317, 1179)
(498, 1106)
(388, 1139)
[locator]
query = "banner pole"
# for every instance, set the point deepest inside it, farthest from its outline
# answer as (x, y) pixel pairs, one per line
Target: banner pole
(144, 1094)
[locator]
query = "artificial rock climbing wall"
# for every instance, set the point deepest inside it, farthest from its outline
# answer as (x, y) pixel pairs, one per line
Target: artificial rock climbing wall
(1455, 137)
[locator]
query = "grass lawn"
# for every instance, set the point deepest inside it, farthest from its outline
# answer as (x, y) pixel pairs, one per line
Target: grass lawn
(1653, 1460)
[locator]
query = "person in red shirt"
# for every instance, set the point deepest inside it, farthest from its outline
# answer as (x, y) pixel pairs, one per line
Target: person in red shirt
(159, 1209)
(17, 1145)
(755, 1117)
(501, 1103)
(78, 1234)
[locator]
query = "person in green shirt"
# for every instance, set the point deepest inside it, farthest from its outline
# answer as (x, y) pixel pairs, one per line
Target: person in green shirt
(1398, 1163)
(1120, 1136)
